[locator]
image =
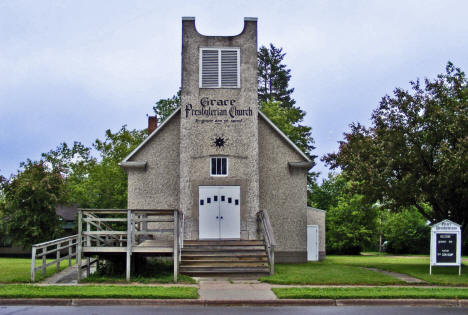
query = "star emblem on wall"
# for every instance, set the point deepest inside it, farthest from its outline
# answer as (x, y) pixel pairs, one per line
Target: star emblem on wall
(219, 141)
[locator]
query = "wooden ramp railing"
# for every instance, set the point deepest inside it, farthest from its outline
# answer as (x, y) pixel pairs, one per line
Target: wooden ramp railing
(55, 249)
(61, 249)
(268, 236)
(131, 231)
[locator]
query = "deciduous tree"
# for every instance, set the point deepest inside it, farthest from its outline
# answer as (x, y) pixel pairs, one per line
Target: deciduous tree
(326, 195)
(350, 225)
(166, 106)
(416, 150)
(287, 120)
(92, 182)
(28, 207)
(406, 232)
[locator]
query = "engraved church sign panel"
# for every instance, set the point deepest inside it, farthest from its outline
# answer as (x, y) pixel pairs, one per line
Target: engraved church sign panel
(217, 110)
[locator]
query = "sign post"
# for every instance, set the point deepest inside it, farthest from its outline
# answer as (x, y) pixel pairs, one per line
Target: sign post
(445, 245)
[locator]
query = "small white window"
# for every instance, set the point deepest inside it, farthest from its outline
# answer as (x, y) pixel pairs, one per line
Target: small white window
(219, 166)
(219, 68)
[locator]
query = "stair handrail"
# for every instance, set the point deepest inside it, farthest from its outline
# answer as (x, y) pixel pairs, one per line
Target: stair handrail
(269, 238)
(181, 233)
(90, 217)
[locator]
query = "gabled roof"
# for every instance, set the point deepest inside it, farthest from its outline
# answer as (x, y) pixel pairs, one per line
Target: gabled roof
(126, 162)
(149, 137)
(292, 144)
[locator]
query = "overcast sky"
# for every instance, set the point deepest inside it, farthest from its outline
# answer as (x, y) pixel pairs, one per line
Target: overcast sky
(69, 70)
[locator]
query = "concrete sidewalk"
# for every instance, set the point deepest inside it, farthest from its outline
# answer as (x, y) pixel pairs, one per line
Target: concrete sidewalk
(240, 290)
(401, 276)
(67, 276)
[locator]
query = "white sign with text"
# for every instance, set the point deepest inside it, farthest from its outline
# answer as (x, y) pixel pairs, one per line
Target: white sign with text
(445, 245)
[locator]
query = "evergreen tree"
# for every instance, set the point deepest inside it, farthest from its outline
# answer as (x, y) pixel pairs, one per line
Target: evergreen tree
(273, 77)
(275, 98)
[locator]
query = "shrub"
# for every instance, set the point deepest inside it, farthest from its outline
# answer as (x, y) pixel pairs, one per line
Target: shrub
(350, 226)
(406, 232)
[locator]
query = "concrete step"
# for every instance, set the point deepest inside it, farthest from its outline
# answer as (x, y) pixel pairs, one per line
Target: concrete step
(251, 274)
(223, 253)
(227, 264)
(200, 270)
(224, 258)
(221, 248)
(229, 275)
(224, 242)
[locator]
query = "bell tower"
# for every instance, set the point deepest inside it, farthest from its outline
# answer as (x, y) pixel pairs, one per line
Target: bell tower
(219, 122)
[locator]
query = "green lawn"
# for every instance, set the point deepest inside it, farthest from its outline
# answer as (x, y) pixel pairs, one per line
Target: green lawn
(348, 270)
(326, 272)
(416, 266)
(19, 269)
(371, 293)
(134, 292)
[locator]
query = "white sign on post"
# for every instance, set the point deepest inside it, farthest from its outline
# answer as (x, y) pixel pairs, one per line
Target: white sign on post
(445, 245)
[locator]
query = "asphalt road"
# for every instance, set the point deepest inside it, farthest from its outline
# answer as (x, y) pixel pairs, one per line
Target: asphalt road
(194, 310)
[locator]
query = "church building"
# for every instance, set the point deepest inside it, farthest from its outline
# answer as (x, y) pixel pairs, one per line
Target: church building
(221, 162)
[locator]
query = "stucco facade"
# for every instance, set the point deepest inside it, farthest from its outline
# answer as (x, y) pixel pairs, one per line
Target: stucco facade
(283, 193)
(169, 169)
(156, 186)
(317, 217)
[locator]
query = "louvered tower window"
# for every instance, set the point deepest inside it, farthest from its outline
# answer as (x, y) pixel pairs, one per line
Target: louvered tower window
(219, 68)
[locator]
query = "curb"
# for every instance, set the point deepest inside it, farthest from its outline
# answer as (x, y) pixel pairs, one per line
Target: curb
(283, 302)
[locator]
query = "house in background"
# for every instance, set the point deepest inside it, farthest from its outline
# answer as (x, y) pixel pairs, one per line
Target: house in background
(67, 217)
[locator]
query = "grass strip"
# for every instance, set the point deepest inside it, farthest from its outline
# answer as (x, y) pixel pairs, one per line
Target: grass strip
(132, 292)
(164, 278)
(371, 293)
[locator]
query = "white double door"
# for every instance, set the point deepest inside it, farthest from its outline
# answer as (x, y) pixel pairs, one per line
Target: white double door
(219, 212)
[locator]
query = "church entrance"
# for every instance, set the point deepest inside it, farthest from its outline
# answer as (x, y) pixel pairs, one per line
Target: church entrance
(219, 212)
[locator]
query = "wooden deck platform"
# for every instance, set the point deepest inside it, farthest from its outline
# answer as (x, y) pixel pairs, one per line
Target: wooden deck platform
(153, 232)
(154, 246)
(148, 246)
(130, 231)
